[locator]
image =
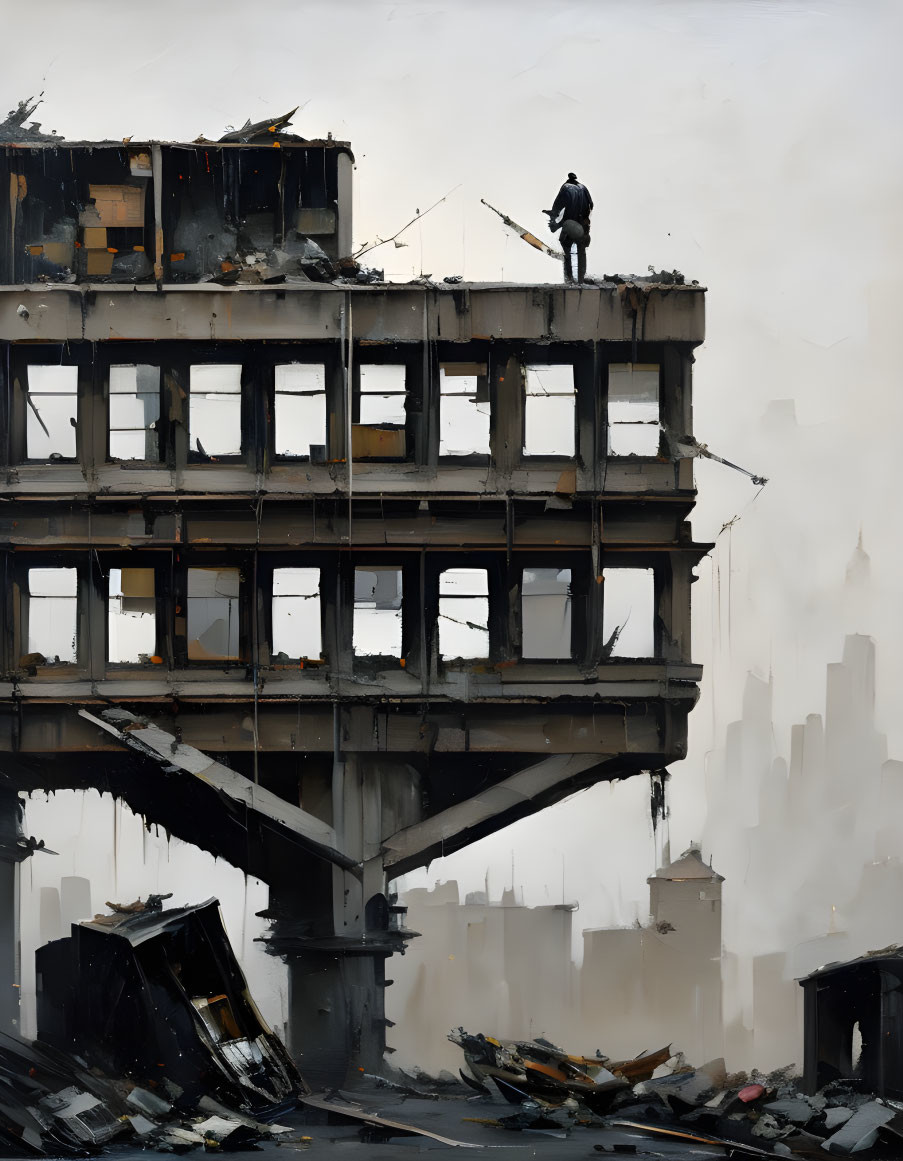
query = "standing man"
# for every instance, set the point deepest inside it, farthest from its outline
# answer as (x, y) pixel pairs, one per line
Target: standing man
(570, 213)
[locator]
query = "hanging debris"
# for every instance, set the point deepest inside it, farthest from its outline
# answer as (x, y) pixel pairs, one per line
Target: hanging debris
(689, 448)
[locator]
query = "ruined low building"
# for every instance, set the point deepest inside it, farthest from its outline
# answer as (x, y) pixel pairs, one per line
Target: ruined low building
(854, 1023)
(661, 981)
(326, 577)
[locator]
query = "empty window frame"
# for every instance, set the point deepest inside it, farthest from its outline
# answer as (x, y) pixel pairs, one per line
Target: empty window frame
(53, 613)
(214, 409)
(131, 616)
(213, 614)
(51, 400)
(377, 612)
(300, 410)
(549, 410)
(546, 613)
(134, 402)
(633, 409)
(463, 613)
(628, 612)
(463, 409)
(383, 393)
(297, 629)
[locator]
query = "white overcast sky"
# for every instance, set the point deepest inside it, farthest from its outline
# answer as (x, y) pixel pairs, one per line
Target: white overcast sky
(754, 145)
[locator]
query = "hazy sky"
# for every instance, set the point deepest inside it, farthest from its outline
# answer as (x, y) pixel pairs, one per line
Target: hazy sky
(754, 145)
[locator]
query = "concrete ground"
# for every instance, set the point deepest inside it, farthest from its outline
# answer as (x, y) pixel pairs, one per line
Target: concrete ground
(348, 1142)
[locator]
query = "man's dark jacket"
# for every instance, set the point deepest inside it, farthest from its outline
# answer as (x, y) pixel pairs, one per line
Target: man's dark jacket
(576, 202)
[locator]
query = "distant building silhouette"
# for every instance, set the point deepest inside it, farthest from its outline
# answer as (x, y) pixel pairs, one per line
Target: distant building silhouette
(506, 970)
(643, 987)
(499, 968)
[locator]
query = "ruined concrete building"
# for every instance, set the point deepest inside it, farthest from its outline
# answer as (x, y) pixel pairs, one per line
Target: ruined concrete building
(326, 578)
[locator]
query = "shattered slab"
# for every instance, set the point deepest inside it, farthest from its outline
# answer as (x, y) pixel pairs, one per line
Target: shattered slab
(184, 1023)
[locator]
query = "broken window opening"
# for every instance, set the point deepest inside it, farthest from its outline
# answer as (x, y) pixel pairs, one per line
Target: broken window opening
(113, 228)
(628, 612)
(550, 410)
(377, 612)
(300, 410)
(134, 401)
(634, 421)
(53, 614)
(546, 613)
(297, 630)
(464, 614)
(52, 412)
(214, 409)
(463, 409)
(218, 1017)
(131, 616)
(213, 614)
(383, 393)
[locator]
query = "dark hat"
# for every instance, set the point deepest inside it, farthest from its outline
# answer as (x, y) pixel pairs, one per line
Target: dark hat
(572, 177)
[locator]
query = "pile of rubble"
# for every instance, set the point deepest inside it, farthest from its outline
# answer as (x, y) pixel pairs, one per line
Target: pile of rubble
(51, 1105)
(659, 1095)
(146, 1030)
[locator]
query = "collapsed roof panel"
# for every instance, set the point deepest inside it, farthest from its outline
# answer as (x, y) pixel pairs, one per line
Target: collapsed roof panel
(130, 212)
(76, 214)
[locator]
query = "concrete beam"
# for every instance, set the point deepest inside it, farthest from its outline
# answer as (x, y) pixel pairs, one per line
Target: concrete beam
(521, 794)
(382, 314)
(162, 747)
(537, 731)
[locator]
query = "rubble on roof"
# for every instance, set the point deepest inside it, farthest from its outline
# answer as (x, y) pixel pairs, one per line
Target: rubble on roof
(261, 132)
(653, 277)
(13, 128)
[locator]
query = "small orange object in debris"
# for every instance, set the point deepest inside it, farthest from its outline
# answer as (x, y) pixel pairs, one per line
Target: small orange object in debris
(155, 660)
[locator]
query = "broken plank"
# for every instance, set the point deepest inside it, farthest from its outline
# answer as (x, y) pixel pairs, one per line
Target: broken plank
(697, 1138)
(356, 1113)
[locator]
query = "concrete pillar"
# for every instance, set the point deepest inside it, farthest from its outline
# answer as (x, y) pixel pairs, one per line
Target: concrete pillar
(11, 854)
(336, 966)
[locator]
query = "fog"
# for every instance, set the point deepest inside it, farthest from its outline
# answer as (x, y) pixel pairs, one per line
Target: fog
(755, 146)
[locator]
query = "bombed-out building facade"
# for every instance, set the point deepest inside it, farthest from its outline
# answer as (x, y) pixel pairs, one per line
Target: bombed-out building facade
(325, 575)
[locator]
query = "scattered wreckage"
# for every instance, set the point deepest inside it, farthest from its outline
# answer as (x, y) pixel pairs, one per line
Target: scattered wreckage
(658, 1096)
(524, 1069)
(146, 1028)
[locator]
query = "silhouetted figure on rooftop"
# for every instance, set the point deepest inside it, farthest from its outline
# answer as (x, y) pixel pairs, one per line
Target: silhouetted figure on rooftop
(570, 213)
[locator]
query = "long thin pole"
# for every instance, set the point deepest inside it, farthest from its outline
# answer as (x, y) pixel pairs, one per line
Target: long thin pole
(524, 233)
